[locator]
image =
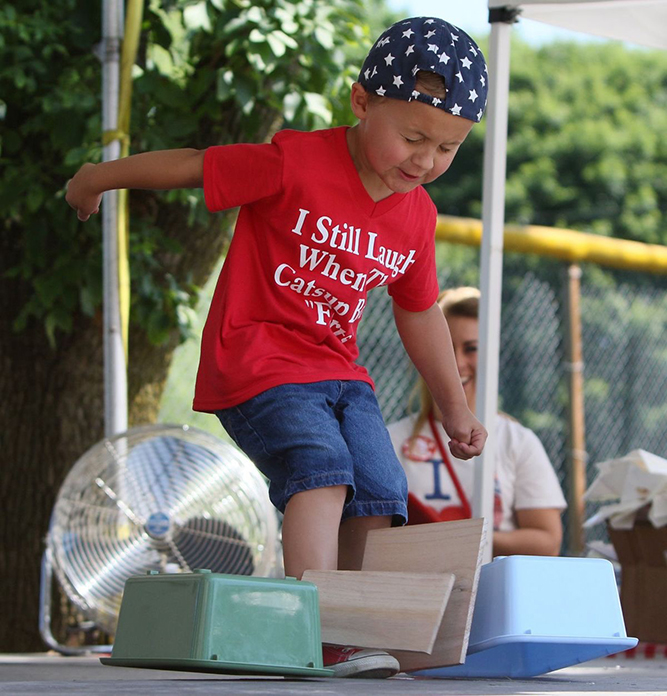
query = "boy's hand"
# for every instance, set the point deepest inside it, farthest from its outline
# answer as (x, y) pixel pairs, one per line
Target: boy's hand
(467, 434)
(80, 196)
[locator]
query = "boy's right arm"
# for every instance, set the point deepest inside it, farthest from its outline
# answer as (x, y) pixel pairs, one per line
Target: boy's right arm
(164, 169)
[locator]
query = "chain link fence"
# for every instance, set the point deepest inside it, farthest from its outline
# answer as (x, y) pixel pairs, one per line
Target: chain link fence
(624, 335)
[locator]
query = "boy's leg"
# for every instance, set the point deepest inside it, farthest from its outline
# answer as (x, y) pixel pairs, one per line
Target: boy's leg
(292, 435)
(352, 539)
(310, 530)
(311, 470)
(310, 541)
(351, 661)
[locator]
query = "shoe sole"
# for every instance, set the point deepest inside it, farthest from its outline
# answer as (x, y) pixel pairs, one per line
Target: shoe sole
(366, 668)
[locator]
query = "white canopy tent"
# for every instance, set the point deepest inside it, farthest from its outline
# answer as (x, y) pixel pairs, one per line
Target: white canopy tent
(642, 22)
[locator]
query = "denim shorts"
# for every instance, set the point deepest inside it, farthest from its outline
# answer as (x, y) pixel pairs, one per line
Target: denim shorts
(319, 434)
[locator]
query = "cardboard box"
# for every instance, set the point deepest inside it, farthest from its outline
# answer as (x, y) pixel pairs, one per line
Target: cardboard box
(642, 553)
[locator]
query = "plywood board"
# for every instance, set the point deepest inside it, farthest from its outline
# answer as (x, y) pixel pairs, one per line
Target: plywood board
(441, 547)
(393, 611)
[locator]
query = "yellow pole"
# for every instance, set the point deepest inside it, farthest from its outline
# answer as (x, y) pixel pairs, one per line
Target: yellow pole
(567, 245)
(133, 18)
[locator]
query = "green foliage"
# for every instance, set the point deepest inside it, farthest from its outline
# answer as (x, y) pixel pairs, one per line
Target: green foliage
(175, 405)
(166, 303)
(586, 145)
(46, 73)
(289, 58)
(209, 72)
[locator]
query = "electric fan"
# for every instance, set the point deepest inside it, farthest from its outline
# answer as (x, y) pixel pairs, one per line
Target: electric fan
(166, 498)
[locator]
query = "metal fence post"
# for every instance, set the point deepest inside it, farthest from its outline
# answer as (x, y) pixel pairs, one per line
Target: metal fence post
(577, 456)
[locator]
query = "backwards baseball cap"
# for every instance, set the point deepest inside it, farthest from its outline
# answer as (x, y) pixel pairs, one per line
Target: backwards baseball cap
(432, 45)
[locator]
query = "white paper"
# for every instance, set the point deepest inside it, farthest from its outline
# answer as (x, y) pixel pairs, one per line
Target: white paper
(627, 484)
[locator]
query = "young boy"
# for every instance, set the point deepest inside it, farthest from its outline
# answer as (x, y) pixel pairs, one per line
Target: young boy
(324, 217)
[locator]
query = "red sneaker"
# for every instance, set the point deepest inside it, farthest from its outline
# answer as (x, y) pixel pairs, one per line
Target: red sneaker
(364, 663)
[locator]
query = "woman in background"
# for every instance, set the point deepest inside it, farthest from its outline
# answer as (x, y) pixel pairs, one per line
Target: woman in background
(528, 500)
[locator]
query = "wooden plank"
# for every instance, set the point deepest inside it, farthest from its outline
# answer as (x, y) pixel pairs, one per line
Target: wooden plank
(393, 611)
(441, 547)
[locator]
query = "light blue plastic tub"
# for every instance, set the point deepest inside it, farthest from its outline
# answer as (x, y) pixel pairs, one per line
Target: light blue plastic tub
(535, 614)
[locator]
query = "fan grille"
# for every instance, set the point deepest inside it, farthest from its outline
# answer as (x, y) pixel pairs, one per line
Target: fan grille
(162, 497)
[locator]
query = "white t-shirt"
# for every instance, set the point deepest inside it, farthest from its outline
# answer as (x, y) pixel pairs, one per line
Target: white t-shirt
(525, 478)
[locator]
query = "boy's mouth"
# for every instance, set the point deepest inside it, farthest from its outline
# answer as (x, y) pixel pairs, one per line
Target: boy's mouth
(409, 177)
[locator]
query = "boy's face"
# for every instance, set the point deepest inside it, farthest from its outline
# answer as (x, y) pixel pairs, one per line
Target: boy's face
(400, 145)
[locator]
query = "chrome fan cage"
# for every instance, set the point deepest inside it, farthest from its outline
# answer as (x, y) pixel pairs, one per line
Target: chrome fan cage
(166, 498)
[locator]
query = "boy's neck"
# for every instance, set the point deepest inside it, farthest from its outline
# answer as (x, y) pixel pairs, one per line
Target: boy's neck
(374, 186)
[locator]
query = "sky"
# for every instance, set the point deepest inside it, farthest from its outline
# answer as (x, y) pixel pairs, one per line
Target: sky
(472, 17)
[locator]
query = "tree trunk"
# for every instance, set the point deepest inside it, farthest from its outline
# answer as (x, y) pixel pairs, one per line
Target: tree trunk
(51, 412)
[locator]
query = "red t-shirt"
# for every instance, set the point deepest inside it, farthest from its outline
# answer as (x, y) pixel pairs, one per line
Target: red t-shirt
(308, 245)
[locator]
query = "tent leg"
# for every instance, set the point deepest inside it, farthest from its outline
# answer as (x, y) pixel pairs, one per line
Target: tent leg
(493, 220)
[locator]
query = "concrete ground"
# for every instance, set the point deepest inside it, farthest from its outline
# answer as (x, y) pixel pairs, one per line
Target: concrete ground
(48, 675)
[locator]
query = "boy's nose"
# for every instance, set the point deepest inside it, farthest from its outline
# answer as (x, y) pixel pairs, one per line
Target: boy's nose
(424, 159)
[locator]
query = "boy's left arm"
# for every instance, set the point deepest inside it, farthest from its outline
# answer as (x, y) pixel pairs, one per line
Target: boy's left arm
(427, 341)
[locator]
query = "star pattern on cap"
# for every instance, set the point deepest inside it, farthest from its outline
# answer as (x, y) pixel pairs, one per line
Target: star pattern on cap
(431, 45)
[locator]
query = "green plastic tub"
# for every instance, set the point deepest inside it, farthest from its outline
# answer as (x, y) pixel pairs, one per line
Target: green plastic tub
(211, 622)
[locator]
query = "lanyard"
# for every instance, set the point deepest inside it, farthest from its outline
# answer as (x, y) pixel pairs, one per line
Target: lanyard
(445, 460)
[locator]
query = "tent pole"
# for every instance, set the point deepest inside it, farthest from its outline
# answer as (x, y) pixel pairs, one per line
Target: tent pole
(493, 220)
(115, 368)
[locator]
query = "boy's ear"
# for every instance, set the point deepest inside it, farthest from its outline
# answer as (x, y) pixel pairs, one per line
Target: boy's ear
(359, 101)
